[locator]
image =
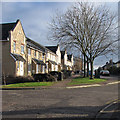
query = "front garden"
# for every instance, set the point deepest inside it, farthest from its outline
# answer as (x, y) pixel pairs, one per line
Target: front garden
(28, 84)
(87, 80)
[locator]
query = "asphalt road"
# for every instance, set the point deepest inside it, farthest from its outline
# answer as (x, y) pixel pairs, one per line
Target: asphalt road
(57, 103)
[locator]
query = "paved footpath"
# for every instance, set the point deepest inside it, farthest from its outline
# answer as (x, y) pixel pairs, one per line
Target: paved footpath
(64, 84)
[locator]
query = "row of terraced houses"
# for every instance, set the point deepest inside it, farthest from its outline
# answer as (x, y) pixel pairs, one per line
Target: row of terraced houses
(22, 56)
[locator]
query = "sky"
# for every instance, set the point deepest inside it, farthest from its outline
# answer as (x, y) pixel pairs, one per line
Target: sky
(36, 17)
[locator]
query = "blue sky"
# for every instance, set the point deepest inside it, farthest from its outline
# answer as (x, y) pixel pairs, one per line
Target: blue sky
(36, 16)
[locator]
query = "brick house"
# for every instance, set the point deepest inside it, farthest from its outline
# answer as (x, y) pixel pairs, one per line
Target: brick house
(35, 57)
(22, 56)
(53, 58)
(117, 64)
(13, 49)
(78, 64)
(66, 61)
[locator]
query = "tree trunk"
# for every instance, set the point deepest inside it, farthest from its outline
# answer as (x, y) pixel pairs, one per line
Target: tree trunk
(91, 65)
(87, 68)
(84, 66)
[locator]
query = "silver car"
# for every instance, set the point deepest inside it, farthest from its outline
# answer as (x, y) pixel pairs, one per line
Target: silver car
(104, 72)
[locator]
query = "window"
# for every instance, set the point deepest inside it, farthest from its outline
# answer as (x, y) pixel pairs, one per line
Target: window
(37, 71)
(22, 48)
(43, 70)
(38, 55)
(35, 53)
(18, 65)
(14, 46)
(43, 56)
(29, 51)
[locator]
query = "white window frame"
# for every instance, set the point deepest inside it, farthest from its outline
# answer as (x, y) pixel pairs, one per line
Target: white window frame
(14, 46)
(29, 51)
(42, 56)
(18, 65)
(37, 68)
(43, 69)
(22, 49)
(35, 53)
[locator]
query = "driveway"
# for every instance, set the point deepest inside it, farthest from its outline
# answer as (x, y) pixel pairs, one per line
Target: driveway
(57, 103)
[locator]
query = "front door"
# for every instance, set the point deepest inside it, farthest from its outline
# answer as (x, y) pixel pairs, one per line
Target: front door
(37, 69)
(21, 68)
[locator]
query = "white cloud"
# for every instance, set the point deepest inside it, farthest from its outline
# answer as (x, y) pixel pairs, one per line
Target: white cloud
(35, 18)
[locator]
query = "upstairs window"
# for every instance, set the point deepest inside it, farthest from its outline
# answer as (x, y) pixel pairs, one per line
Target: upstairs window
(29, 51)
(39, 55)
(22, 49)
(14, 46)
(43, 56)
(35, 53)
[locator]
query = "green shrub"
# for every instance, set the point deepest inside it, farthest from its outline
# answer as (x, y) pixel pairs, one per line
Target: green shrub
(44, 77)
(17, 79)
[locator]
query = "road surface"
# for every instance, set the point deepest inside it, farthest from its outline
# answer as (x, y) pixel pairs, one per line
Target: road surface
(57, 103)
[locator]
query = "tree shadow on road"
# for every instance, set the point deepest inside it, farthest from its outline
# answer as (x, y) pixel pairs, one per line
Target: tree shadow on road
(55, 113)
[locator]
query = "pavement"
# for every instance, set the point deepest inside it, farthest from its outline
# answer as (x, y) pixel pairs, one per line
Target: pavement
(64, 84)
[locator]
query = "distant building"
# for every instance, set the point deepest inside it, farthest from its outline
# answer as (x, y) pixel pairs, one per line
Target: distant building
(117, 64)
(78, 64)
(53, 58)
(108, 65)
(66, 61)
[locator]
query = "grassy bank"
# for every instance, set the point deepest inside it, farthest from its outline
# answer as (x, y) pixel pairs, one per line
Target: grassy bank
(80, 80)
(28, 84)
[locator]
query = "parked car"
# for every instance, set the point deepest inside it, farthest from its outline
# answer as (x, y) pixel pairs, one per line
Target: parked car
(104, 72)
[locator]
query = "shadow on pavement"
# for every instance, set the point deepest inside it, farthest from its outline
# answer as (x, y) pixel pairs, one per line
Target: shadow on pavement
(55, 113)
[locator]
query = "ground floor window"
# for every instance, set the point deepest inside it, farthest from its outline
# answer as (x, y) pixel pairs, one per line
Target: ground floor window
(43, 70)
(18, 65)
(29, 67)
(37, 68)
(56, 68)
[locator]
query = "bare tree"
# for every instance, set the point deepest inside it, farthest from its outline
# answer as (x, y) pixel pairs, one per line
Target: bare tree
(86, 27)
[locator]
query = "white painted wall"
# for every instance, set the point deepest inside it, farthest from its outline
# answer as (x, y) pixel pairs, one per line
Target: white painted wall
(58, 60)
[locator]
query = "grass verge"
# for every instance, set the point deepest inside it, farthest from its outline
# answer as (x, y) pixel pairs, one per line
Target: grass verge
(80, 80)
(28, 84)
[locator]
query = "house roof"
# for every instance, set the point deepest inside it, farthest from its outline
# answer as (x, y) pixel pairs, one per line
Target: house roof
(18, 57)
(62, 54)
(52, 48)
(33, 44)
(6, 27)
(40, 62)
(118, 62)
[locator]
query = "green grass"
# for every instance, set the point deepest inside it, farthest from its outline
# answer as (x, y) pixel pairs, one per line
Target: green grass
(28, 84)
(80, 80)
